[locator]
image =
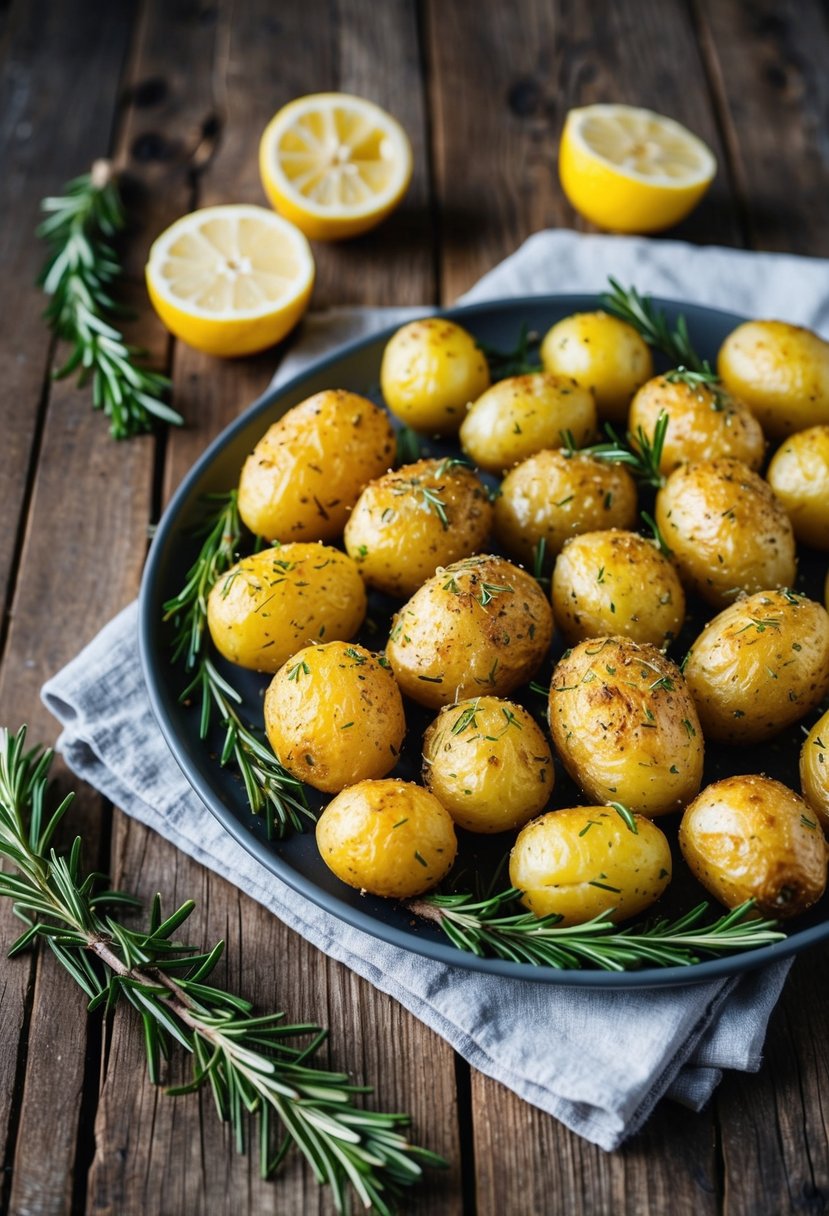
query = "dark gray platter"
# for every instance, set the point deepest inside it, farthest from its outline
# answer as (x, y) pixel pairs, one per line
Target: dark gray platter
(296, 860)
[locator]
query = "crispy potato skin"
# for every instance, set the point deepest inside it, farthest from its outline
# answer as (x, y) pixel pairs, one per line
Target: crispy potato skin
(430, 372)
(727, 530)
(392, 838)
(702, 424)
(551, 496)
(334, 716)
(781, 372)
(488, 763)
(759, 666)
(799, 476)
(625, 727)
(753, 838)
(269, 605)
(396, 534)
(478, 626)
(814, 770)
(308, 469)
(584, 860)
(604, 354)
(614, 582)
(523, 415)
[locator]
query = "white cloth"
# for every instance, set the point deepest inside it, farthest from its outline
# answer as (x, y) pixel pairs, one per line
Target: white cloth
(598, 1061)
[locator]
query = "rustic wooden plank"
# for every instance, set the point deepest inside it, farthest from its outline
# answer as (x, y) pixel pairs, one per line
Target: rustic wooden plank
(669, 1167)
(775, 1124)
(57, 96)
(767, 61)
(58, 84)
(502, 83)
(153, 1154)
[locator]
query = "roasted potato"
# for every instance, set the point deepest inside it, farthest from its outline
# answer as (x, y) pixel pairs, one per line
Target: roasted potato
(799, 476)
(781, 372)
(727, 530)
(759, 666)
(602, 353)
(704, 422)
(488, 763)
(308, 469)
(269, 605)
(814, 770)
(614, 582)
(391, 838)
(584, 860)
(523, 414)
(430, 372)
(552, 496)
(625, 727)
(409, 522)
(334, 716)
(478, 626)
(752, 838)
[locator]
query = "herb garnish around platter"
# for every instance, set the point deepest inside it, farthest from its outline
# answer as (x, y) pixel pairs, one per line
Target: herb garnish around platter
(269, 788)
(78, 276)
(520, 361)
(259, 1068)
(652, 325)
(499, 927)
(641, 453)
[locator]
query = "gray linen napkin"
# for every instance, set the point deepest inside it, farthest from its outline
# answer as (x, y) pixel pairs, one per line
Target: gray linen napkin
(597, 1061)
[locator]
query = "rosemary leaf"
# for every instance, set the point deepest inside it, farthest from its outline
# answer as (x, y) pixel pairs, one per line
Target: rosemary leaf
(78, 275)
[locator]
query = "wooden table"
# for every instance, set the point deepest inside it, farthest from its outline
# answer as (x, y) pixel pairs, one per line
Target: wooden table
(178, 91)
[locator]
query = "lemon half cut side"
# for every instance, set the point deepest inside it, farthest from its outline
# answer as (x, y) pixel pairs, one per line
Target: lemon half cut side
(230, 280)
(632, 170)
(334, 164)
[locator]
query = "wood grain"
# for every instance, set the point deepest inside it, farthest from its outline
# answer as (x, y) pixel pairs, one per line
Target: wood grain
(767, 61)
(501, 84)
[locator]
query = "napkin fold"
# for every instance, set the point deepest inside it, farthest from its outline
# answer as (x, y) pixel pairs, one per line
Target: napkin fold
(598, 1061)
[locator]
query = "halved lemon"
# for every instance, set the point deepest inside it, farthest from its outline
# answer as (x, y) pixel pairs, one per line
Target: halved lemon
(631, 170)
(333, 164)
(230, 280)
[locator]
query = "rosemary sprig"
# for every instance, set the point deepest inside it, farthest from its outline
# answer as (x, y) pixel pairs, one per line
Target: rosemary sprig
(696, 381)
(270, 789)
(520, 361)
(641, 453)
(431, 498)
(258, 1067)
(492, 928)
(80, 270)
(651, 322)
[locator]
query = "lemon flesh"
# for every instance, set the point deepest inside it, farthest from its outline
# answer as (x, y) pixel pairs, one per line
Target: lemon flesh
(333, 164)
(631, 170)
(230, 280)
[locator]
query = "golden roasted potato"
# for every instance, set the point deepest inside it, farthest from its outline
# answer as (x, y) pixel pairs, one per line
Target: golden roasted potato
(781, 372)
(704, 422)
(799, 476)
(552, 496)
(759, 666)
(430, 372)
(727, 530)
(614, 582)
(523, 414)
(584, 860)
(409, 522)
(269, 605)
(814, 770)
(478, 626)
(391, 838)
(625, 727)
(334, 716)
(602, 353)
(488, 763)
(753, 838)
(308, 469)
